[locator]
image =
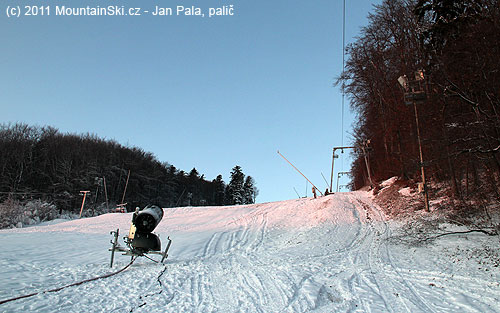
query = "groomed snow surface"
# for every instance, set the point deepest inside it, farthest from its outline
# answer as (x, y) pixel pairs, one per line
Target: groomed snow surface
(331, 254)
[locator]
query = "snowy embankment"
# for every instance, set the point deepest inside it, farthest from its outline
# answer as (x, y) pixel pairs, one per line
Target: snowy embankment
(330, 254)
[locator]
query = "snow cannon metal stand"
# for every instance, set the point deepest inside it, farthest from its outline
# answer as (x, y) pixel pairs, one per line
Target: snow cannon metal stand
(140, 241)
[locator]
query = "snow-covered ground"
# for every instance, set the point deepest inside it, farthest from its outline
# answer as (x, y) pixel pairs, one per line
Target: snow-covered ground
(332, 254)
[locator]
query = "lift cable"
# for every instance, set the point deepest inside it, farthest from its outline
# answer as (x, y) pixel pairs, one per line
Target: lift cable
(343, 70)
(343, 81)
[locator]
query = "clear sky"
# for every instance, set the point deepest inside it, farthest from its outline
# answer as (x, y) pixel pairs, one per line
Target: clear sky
(201, 92)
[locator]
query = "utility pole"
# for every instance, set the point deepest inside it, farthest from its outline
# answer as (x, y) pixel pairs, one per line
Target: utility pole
(126, 184)
(106, 193)
(84, 193)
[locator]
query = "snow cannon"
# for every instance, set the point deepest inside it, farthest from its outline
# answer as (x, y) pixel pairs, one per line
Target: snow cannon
(147, 219)
(143, 223)
(140, 240)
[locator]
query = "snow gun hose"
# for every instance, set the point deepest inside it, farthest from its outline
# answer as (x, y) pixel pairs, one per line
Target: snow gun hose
(64, 287)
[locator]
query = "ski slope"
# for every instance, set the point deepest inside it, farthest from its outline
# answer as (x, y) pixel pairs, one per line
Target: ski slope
(330, 254)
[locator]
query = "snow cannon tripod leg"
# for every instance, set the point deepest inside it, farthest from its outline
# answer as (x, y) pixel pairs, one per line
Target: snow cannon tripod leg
(165, 255)
(114, 242)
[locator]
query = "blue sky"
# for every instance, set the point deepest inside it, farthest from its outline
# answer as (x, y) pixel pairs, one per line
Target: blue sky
(208, 93)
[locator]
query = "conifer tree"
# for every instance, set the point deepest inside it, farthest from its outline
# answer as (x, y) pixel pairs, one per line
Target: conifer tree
(234, 190)
(249, 190)
(193, 174)
(219, 189)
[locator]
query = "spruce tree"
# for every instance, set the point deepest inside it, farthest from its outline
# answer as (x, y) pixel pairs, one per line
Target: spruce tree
(219, 189)
(249, 190)
(234, 190)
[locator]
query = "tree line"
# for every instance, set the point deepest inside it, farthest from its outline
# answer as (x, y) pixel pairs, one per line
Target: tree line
(42, 163)
(446, 54)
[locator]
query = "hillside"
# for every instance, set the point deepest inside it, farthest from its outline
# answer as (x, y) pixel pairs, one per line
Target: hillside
(43, 164)
(332, 254)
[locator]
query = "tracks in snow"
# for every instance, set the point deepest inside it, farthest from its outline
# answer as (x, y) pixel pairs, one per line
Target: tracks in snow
(398, 294)
(309, 255)
(333, 265)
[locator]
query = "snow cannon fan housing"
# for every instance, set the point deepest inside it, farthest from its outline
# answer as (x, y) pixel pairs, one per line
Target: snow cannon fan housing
(145, 221)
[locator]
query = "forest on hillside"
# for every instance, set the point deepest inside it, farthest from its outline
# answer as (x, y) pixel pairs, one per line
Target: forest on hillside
(42, 163)
(437, 61)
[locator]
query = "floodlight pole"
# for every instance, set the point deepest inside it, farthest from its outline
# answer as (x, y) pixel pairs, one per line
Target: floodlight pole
(84, 193)
(413, 90)
(365, 154)
(426, 195)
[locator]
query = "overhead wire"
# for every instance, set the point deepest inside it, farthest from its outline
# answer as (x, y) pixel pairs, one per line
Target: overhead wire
(343, 80)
